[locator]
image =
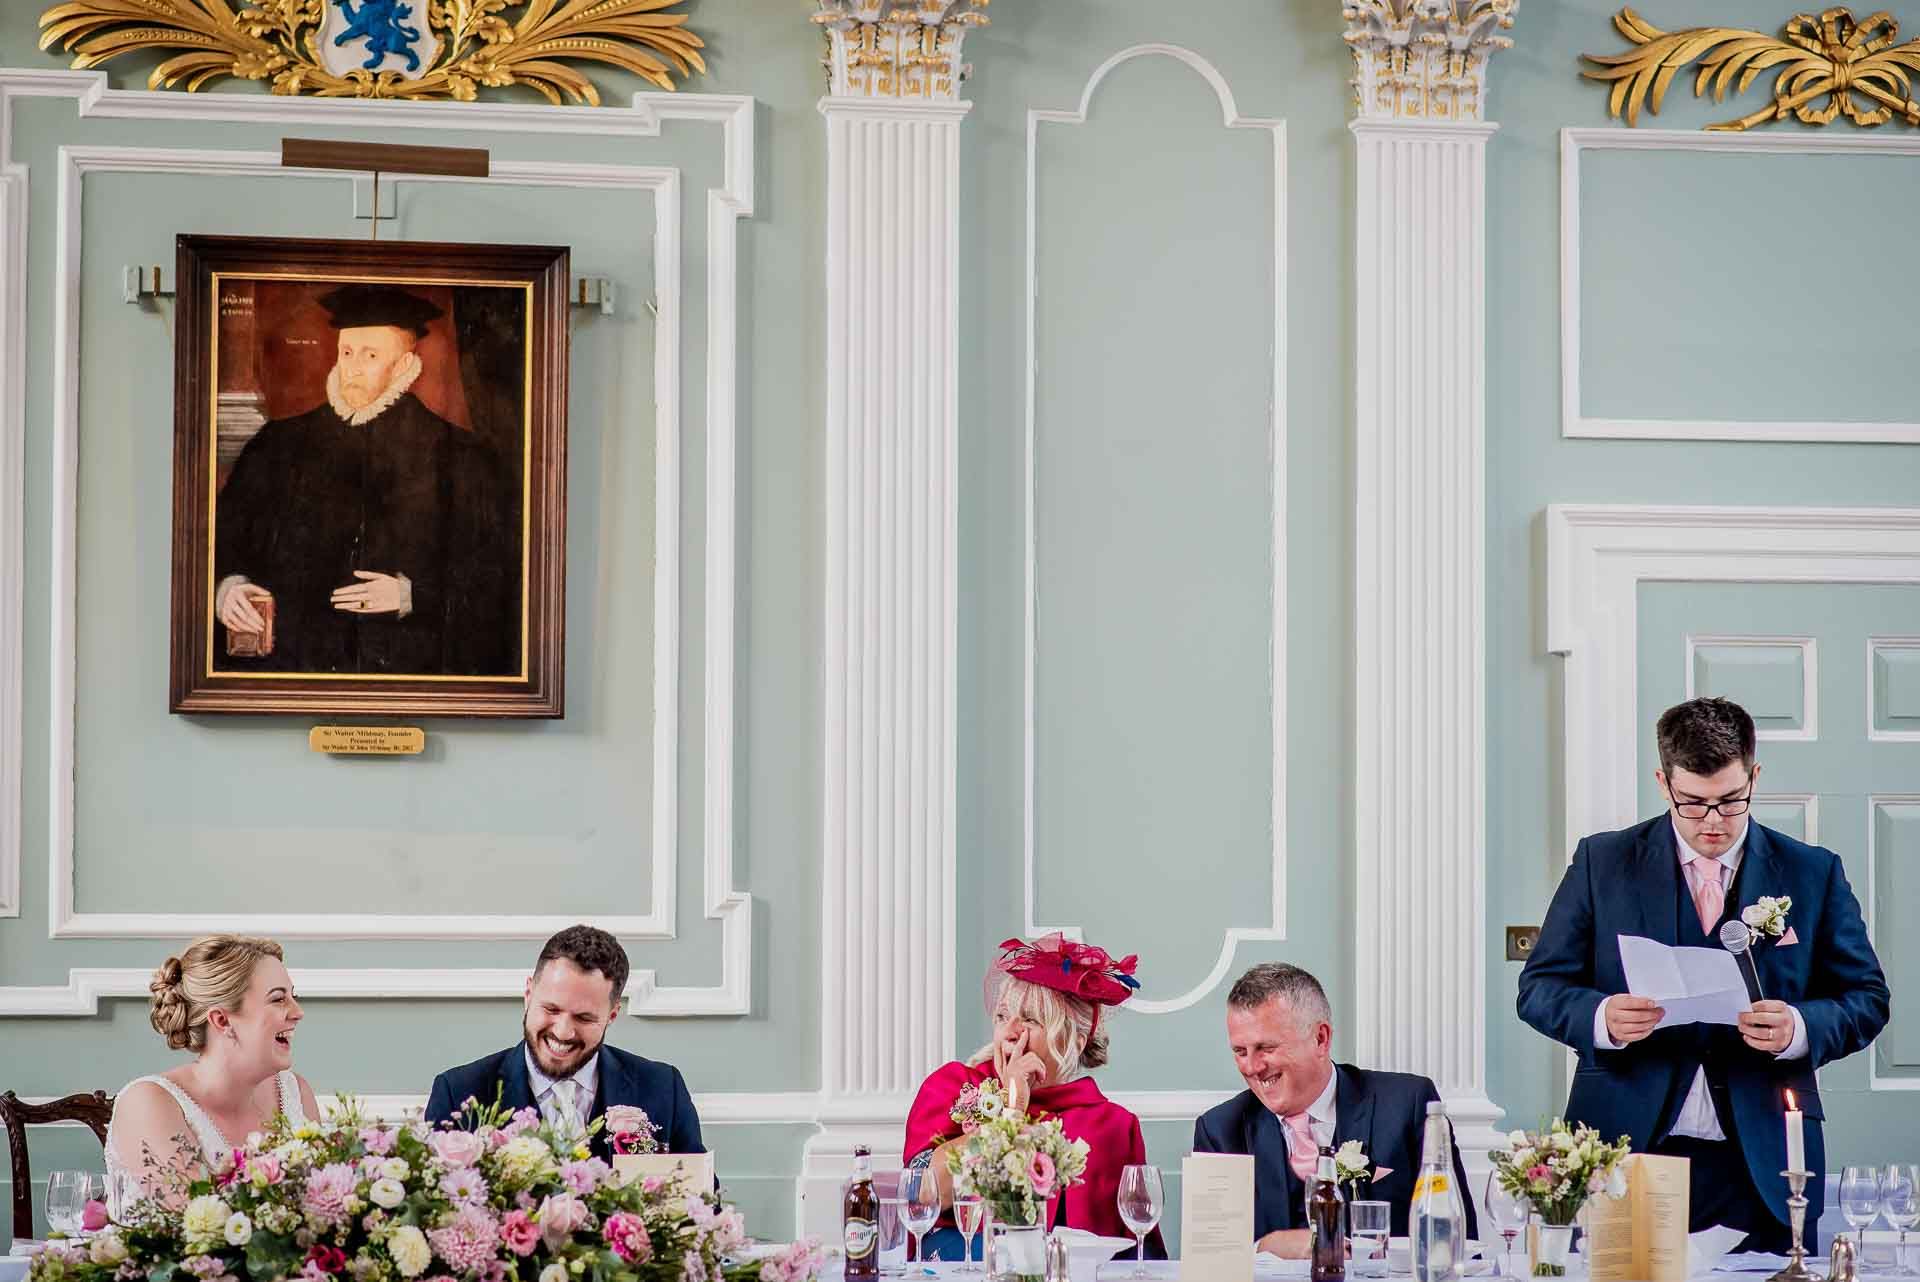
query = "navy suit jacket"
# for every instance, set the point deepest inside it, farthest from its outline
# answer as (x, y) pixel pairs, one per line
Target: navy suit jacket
(1386, 1112)
(625, 1078)
(1629, 883)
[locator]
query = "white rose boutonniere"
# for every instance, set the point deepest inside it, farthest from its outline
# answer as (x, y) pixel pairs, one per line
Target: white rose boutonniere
(1768, 915)
(1350, 1166)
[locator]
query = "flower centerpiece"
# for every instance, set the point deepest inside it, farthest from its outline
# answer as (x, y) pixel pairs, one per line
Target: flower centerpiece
(1554, 1172)
(1017, 1165)
(496, 1195)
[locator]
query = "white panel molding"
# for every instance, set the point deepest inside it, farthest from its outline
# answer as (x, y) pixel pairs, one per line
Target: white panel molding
(1599, 554)
(1876, 1080)
(1875, 644)
(1274, 928)
(1573, 421)
(889, 692)
(1808, 802)
(1809, 677)
(725, 206)
(1419, 600)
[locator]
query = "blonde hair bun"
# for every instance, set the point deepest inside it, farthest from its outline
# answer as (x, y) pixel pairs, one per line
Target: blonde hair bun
(215, 970)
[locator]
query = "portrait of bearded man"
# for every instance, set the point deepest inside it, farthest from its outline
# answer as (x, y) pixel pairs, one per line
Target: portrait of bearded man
(368, 535)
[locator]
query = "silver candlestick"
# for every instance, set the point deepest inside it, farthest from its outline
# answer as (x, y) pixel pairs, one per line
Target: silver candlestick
(1796, 1270)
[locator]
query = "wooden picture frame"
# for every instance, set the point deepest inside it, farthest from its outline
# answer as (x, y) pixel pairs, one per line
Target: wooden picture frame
(369, 478)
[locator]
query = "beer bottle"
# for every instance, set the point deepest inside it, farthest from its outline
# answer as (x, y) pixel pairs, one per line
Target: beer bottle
(860, 1218)
(1326, 1223)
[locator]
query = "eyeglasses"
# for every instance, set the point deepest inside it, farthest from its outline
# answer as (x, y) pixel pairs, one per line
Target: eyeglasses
(1731, 808)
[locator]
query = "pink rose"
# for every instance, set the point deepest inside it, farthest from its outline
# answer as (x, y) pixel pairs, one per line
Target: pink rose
(378, 1139)
(457, 1148)
(519, 1233)
(559, 1218)
(93, 1217)
(1041, 1172)
(627, 1235)
(267, 1167)
(524, 1120)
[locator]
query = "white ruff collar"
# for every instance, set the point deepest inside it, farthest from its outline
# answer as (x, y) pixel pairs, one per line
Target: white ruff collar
(403, 375)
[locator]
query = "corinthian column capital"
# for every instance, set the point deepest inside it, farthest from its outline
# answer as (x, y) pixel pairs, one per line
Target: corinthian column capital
(898, 49)
(1424, 59)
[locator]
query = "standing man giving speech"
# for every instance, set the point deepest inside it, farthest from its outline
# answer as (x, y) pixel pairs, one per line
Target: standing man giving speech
(1711, 1093)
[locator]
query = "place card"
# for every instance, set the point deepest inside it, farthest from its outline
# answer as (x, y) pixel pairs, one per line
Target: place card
(693, 1170)
(1216, 1218)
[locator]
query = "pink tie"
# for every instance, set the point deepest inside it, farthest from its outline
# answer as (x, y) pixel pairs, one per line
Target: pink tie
(1709, 898)
(1302, 1153)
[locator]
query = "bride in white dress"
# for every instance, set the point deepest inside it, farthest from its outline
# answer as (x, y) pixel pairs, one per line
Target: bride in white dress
(228, 999)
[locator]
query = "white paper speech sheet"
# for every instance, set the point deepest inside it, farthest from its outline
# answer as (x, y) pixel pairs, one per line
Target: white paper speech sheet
(1692, 985)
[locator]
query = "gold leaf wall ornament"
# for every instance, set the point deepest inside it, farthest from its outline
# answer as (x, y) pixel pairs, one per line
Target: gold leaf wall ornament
(383, 48)
(1856, 67)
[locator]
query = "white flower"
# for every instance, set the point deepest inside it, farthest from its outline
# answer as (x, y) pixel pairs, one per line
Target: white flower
(239, 1229)
(988, 1107)
(1562, 1142)
(396, 1168)
(387, 1193)
(555, 1272)
(107, 1249)
(1518, 1139)
(307, 1131)
(205, 1218)
(1753, 914)
(527, 1156)
(411, 1254)
(294, 1151)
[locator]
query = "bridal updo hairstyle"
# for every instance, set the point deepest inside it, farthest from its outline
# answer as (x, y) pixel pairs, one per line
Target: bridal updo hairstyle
(215, 970)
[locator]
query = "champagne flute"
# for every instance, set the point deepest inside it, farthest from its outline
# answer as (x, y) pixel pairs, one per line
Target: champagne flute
(1509, 1214)
(1860, 1199)
(968, 1211)
(920, 1194)
(1140, 1204)
(1900, 1200)
(66, 1201)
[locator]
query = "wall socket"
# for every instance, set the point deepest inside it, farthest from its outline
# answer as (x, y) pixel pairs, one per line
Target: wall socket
(1520, 942)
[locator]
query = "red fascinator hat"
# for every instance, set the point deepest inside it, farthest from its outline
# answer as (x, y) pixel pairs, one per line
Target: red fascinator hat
(1076, 969)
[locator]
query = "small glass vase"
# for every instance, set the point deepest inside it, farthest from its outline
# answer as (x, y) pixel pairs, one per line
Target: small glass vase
(1553, 1247)
(1016, 1248)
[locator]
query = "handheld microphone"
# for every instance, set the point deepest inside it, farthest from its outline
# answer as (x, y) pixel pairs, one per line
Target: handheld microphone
(1737, 938)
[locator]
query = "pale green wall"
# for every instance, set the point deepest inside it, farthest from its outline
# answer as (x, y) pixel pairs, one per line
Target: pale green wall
(578, 789)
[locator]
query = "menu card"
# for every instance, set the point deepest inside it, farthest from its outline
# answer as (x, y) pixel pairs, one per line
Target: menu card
(1641, 1237)
(1216, 1218)
(695, 1170)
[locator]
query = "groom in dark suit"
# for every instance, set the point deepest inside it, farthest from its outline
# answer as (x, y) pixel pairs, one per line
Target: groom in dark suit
(1297, 1099)
(562, 1065)
(1712, 1093)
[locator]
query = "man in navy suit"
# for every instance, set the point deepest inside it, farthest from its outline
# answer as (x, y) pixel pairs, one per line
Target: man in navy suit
(562, 1065)
(1711, 1093)
(1281, 1029)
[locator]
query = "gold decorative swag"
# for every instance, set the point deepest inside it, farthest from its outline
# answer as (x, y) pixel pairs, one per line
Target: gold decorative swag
(480, 44)
(1856, 66)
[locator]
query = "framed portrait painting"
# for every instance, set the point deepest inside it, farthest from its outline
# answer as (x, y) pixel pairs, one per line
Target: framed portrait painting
(369, 493)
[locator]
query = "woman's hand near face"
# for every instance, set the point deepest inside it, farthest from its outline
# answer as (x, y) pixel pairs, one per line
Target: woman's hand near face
(1019, 1070)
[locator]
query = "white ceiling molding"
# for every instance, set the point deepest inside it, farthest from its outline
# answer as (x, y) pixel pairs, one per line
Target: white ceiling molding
(1230, 116)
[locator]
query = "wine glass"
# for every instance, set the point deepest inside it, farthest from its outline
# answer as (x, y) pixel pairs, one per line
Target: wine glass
(1508, 1211)
(968, 1211)
(1140, 1204)
(1900, 1200)
(66, 1201)
(920, 1197)
(1860, 1199)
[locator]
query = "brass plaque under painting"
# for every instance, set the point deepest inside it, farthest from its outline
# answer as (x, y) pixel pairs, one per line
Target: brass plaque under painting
(367, 741)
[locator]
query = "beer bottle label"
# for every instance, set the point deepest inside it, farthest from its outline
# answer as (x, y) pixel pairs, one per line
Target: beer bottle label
(861, 1235)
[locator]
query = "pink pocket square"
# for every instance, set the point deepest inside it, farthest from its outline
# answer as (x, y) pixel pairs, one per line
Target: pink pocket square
(1787, 940)
(1382, 1172)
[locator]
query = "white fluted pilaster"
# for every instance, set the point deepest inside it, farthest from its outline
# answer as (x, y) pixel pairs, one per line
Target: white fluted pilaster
(887, 895)
(1420, 567)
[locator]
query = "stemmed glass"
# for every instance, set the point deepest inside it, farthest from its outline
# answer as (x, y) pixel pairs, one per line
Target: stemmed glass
(1141, 1201)
(1900, 1199)
(968, 1211)
(920, 1196)
(1860, 1199)
(1509, 1214)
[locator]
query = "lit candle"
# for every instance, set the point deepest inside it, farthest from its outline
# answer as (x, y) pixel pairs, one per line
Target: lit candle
(1796, 1136)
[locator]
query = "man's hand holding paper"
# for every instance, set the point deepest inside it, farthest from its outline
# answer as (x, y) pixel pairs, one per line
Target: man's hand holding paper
(1691, 985)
